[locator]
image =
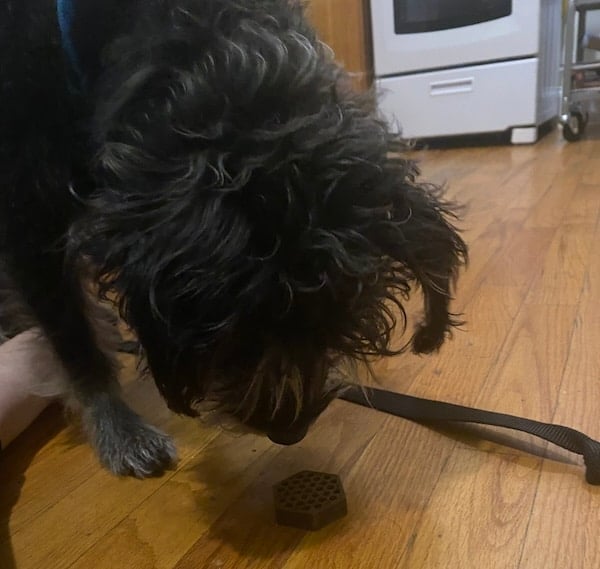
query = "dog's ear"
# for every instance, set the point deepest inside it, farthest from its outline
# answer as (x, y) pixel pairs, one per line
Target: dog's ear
(428, 244)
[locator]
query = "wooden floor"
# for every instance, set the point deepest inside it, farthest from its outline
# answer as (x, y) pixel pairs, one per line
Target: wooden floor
(418, 497)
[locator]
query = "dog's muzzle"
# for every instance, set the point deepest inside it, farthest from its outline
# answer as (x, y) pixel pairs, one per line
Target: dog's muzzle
(288, 438)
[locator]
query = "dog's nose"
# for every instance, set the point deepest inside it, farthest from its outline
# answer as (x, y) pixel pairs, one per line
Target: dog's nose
(289, 437)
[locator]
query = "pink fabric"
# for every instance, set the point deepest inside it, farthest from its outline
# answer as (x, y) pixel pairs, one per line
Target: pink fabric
(29, 376)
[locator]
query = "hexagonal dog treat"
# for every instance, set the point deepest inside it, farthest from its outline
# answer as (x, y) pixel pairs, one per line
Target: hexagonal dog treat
(309, 500)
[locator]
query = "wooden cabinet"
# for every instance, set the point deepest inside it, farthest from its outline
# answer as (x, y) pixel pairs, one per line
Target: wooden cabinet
(345, 26)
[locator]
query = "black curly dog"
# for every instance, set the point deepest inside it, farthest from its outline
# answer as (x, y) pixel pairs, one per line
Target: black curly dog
(205, 165)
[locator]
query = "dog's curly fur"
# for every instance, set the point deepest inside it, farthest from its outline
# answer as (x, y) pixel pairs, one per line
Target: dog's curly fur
(219, 178)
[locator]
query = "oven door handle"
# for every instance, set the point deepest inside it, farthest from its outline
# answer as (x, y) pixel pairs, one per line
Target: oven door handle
(452, 86)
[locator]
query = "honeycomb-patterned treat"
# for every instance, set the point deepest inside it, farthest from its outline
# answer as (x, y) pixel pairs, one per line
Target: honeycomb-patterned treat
(309, 500)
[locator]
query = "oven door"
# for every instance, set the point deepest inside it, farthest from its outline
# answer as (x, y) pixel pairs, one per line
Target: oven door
(418, 35)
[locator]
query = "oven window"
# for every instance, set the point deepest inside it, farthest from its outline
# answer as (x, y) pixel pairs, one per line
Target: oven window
(417, 16)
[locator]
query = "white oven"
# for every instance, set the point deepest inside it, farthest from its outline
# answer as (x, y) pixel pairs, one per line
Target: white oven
(415, 35)
(451, 67)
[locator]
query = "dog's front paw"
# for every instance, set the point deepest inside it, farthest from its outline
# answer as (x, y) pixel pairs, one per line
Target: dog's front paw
(140, 451)
(125, 444)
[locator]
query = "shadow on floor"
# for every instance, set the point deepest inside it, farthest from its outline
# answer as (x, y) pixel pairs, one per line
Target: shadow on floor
(14, 461)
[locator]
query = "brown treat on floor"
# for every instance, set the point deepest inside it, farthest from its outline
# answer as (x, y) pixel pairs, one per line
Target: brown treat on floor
(309, 500)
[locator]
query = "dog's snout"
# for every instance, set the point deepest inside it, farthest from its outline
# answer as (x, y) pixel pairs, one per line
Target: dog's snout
(288, 437)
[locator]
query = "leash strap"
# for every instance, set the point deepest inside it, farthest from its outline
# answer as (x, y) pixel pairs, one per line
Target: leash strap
(426, 410)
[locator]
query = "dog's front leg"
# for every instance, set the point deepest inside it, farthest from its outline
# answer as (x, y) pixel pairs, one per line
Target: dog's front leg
(124, 443)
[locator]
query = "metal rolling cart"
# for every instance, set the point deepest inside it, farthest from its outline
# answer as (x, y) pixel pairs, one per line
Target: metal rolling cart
(580, 79)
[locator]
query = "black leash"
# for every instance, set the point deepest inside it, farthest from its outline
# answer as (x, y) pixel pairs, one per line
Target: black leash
(426, 410)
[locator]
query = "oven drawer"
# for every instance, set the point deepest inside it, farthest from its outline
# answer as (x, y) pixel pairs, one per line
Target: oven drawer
(468, 100)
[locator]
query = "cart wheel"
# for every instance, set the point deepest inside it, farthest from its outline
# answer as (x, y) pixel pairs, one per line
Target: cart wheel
(574, 127)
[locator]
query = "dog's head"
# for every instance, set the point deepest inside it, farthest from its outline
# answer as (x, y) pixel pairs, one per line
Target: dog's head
(253, 220)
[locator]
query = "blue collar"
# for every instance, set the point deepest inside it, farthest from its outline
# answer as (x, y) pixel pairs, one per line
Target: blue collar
(65, 11)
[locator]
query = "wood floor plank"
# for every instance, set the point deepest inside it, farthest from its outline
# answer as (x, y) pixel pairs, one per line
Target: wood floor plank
(566, 512)
(478, 514)
(172, 519)
(82, 518)
(564, 268)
